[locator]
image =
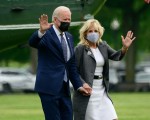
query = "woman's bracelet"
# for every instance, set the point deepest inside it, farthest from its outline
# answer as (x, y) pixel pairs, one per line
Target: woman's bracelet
(124, 49)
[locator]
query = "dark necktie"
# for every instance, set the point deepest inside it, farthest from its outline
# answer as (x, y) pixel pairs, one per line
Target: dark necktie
(64, 46)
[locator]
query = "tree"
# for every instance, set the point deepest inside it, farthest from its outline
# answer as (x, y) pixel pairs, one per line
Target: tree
(131, 13)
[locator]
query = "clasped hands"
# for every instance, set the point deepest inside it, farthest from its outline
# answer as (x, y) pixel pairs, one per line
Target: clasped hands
(86, 90)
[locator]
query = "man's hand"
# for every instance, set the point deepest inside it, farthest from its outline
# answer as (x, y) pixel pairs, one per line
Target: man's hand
(44, 25)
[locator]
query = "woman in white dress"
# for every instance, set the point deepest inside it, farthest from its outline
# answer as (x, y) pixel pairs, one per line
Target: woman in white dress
(92, 55)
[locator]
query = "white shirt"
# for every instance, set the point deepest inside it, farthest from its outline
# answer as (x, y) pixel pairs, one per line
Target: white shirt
(99, 61)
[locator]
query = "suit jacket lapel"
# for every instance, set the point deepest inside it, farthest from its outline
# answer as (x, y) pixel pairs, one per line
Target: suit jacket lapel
(55, 38)
(69, 44)
(56, 43)
(102, 49)
(89, 52)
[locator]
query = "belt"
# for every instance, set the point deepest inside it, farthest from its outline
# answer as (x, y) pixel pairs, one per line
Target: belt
(98, 76)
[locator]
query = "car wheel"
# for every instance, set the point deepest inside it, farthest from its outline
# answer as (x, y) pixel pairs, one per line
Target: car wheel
(28, 91)
(7, 88)
(145, 89)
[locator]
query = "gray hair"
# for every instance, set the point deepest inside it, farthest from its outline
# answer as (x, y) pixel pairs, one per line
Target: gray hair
(58, 11)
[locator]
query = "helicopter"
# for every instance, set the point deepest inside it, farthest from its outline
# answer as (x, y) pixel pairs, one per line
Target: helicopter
(19, 18)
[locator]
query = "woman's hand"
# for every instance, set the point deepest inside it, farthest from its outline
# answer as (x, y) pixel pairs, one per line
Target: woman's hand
(147, 1)
(88, 89)
(44, 25)
(127, 41)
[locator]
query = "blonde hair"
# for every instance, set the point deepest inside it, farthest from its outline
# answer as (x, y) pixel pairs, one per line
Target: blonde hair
(86, 26)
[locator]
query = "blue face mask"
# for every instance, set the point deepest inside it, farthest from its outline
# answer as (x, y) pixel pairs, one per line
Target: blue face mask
(93, 37)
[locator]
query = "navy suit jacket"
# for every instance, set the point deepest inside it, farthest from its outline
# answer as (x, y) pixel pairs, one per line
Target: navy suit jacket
(51, 63)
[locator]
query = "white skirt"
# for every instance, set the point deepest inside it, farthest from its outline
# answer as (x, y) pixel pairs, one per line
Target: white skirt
(100, 106)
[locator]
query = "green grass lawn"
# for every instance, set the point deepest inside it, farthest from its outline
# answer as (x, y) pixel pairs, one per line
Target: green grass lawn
(132, 106)
(20, 107)
(129, 106)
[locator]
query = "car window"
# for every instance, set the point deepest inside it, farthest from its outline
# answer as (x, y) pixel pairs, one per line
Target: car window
(143, 77)
(11, 73)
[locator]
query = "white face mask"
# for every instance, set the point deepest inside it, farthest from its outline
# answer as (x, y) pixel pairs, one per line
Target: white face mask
(93, 37)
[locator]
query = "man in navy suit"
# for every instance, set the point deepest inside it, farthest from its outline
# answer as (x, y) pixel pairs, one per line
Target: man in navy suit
(54, 71)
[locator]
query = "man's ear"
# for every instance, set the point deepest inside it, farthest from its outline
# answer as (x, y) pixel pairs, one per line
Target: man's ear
(54, 19)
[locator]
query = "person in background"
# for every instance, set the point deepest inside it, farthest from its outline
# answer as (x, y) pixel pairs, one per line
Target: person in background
(92, 56)
(147, 1)
(56, 65)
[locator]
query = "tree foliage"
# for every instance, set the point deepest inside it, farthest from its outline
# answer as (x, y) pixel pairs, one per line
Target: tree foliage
(134, 16)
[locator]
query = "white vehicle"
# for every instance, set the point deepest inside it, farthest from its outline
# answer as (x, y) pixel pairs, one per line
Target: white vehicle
(113, 79)
(1, 88)
(142, 80)
(15, 79)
